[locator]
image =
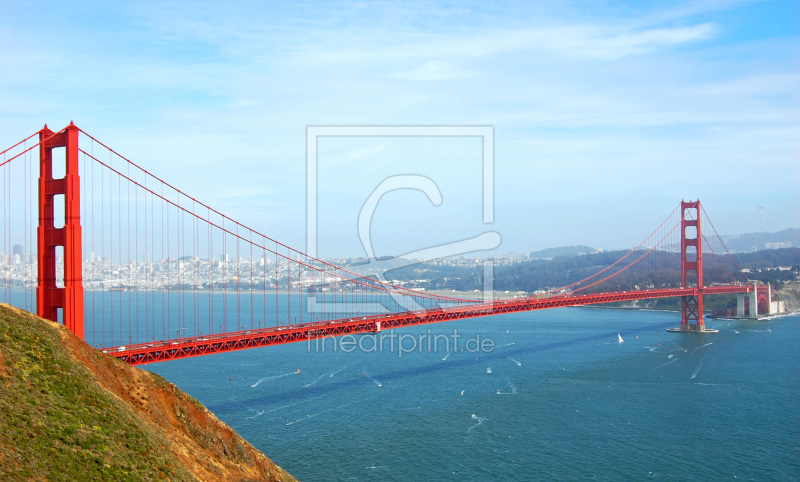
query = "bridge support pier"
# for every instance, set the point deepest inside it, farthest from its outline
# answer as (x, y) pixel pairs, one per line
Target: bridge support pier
(747, 303)
(691, 270)
(758, 302)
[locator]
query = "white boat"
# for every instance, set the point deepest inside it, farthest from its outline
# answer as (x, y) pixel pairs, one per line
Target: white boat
(620, 338)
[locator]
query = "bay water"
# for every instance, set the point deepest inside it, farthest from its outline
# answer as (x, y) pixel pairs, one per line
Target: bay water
(549, 394)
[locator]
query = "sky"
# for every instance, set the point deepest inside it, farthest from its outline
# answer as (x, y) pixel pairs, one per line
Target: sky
(601, 116)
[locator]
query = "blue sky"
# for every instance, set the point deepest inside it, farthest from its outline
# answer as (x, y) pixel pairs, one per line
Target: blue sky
(605, 114)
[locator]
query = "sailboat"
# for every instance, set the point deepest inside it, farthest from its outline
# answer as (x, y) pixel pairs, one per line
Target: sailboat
(620, 338)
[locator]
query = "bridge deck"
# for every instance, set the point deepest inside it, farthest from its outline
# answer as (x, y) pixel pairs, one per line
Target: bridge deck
(241, 340)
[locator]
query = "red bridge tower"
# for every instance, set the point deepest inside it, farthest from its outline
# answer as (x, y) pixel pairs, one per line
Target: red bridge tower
(692, 269)
(49, 297)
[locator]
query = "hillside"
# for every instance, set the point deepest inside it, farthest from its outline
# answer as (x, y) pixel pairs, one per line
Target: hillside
(68, 412)
(748, 242)
(551, 253)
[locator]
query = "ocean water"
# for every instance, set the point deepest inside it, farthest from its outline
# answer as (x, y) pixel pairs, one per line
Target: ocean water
(556, 397)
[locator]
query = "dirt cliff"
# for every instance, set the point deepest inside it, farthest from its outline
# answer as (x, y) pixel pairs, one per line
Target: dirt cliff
(69, 412)
(789, 293)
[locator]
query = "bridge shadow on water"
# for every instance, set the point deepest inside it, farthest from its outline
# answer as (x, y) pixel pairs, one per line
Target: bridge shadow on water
(316, 391)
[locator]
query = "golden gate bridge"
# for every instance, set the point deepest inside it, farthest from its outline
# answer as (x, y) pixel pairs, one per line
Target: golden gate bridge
(143, 271)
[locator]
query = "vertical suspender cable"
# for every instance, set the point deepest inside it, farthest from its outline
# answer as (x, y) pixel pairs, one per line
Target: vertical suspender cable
(264, 291)
(251, 279)
(194, 269)
(119, 241)
(289, 283)
(224, 262)
(164, 332)
(26, 214)
(151, 266)
(103, 249)
(168, 286)
(210, 292)
(238, 284)
(92, 261)
(136, 256)
(144, 267)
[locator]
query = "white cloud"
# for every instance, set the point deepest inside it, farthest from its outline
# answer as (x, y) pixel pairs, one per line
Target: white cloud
(434, 70)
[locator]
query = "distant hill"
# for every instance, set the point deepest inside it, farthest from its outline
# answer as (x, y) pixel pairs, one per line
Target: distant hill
(69, 412)
(748, 242)
(551, 253)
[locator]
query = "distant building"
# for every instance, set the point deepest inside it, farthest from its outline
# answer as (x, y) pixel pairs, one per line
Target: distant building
(778, 245)
(18, 250)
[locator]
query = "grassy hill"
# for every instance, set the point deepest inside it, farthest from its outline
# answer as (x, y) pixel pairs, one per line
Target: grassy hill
(68, 412)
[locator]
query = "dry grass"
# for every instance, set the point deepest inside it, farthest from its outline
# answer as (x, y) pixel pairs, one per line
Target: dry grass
(69, 412)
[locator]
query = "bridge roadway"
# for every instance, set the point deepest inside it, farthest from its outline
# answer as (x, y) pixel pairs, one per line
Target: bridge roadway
(241, 340)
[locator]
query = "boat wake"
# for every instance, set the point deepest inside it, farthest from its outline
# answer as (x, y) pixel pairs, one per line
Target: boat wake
(314, 415)
(274, 377)
(512, 391)
(258, 414)
(702, 346)
(301, 419)
(681, 348)
(376, 382)
(315, 381)
(699, 366)
(287, 406)
(329, 375)
(478, 420)
(668, 363)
